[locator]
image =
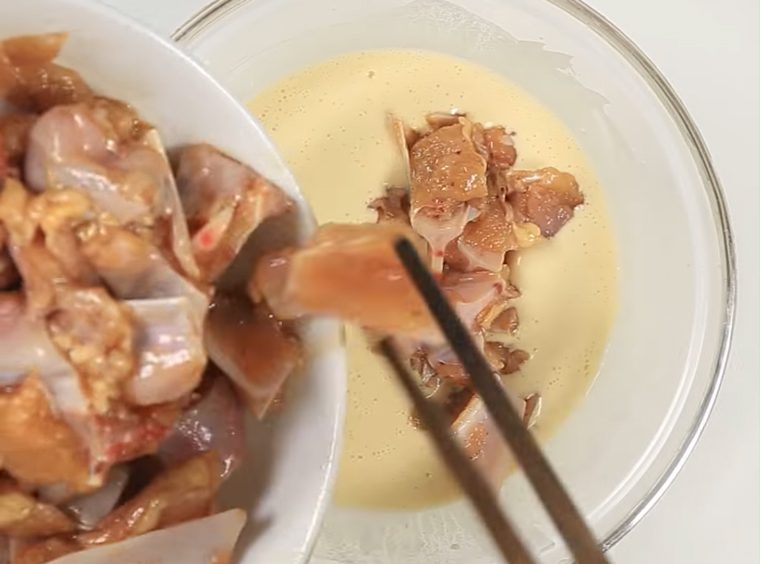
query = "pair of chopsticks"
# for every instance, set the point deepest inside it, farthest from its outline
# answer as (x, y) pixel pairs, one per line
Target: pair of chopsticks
(523, 445)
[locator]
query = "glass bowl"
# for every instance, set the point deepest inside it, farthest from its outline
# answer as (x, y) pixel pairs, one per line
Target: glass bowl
(622, 447)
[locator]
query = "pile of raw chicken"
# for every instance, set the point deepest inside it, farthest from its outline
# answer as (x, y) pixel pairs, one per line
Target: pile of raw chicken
(469, 212)
(119, 419)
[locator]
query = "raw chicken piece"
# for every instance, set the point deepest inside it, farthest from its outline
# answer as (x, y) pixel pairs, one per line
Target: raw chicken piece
(482, 440)
(544, 197)
(350, 271)
(40, 271)
(472, 292)
(250, 345)
(134, 431)
(26, 348)
(180, 494)
(183, 493)
(21, 515)
(506, 321)
(14, 132)
(394, 206)
(116, 433)
(86, 146)
(498, 147)
(41, 87)
(8, 272)
(30, 80)
(33, 49)
(485, 240)
(446, 174)
(504, 359)
(134, 269)
(225, 201)
(45, 249)
(90, 508)
(169, 348)
(96, 335)
(437, 120)
(41, 239)
(213, 422)
(35, 445)
(204, 541)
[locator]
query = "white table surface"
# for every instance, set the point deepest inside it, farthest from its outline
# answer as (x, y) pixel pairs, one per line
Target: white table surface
(709, 51)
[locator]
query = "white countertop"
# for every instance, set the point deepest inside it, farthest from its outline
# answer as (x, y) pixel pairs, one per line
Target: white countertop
(709, 52)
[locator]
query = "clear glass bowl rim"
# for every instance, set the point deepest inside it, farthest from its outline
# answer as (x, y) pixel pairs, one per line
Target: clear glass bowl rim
(646, 69)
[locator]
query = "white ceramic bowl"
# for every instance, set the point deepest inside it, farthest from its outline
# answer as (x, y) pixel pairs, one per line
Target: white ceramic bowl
(618, 452)
(286, 477)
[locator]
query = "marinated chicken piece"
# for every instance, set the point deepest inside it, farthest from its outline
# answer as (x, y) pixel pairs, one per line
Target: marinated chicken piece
(394, 206)
(133, 431)
(36, 446)
(225, 201)
(90, 508)
(133, 269)
(8, 273)
(87, 327)
(30, 80)
(251, 346)
(470, 293)
(96, 335)
(210, 540)
(40, 552)
(69, 147)
(177, 236)
(481, 438)
(485, 240)
(506, 321)
(84, 146)
(346, 260)
(40, 87)
(150, 349)
(437, 120)
(169, 346)
(498, 147)
(213, 422)
(14, 202)
(14, 132)
(544, 197)
(23, 516)
(482, 441)
(45, 264)
(25, 348)
(136, 530)
(39, 49)
(181, 493)
(503, 359)
(447, 370)
(56, 214)
(121, 123)
(446, 174)
(499, 321)
(108, 436)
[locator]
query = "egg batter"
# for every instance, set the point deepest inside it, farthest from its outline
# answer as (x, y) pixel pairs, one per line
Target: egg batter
(330, 123)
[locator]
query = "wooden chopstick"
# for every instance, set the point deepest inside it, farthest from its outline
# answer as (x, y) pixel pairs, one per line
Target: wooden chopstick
(474, 485)
(542, 477)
